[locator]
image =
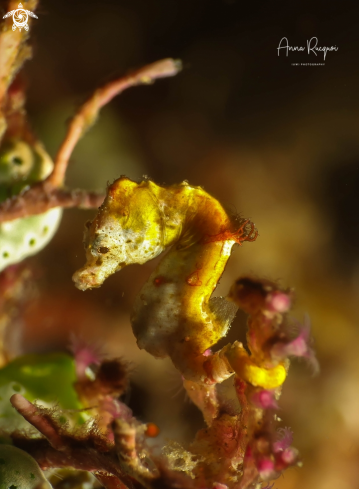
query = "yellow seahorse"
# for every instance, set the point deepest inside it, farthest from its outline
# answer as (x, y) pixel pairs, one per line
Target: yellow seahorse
(173, 314)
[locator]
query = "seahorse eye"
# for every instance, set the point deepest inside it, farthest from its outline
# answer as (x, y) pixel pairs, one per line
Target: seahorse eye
(103, 250)
(17, 160)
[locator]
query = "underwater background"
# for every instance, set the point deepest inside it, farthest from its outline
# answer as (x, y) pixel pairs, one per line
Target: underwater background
(274, 142)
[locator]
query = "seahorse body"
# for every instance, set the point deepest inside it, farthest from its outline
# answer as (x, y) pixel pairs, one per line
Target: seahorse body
(173, 314)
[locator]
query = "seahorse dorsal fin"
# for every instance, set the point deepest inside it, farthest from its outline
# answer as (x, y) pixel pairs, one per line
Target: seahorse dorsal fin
(224, 311)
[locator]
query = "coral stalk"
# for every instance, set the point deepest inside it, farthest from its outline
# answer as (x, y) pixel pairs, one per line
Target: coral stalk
(87, 114)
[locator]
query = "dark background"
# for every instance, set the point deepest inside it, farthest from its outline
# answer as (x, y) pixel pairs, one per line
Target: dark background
(275, 142)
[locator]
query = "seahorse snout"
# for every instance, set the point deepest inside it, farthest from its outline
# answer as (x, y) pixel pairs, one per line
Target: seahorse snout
(87, 278)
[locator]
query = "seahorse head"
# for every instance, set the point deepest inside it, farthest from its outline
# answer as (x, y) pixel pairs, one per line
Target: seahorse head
(128, 228)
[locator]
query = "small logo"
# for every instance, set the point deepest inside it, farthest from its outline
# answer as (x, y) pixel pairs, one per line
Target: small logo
(20, 17)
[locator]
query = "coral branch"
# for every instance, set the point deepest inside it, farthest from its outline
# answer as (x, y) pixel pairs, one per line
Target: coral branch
(42, 197)
(109, 481)
(13, 53)
(86, 450)
(30, 413)
(87, 114)
(79, 457)
(47, 194)
(118, 466)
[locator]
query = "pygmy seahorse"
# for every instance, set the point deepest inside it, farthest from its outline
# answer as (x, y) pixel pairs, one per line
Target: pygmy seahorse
(173, 314)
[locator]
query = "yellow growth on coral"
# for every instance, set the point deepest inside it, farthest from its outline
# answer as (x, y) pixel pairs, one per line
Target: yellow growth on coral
(268, 378)
(237, 360)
